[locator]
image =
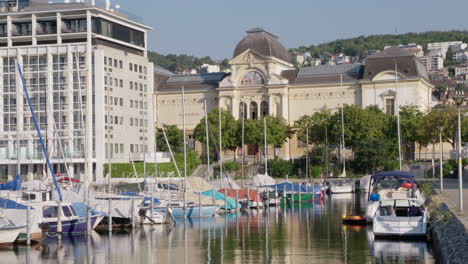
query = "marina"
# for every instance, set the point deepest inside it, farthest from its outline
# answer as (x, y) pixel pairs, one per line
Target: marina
(305, 233)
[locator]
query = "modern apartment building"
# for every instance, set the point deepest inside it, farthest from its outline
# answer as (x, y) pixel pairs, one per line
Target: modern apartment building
(90, 83)
(432, 62)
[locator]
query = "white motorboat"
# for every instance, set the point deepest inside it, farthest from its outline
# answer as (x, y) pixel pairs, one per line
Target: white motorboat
(390, 185)
(364, 184)
(400, 217)
(342, 186)
(9, 231)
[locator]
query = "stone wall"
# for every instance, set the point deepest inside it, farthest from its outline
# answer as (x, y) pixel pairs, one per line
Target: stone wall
(449, 236)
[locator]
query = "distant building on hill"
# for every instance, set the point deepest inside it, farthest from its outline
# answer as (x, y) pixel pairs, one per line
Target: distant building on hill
(413, 48)
(433, 63)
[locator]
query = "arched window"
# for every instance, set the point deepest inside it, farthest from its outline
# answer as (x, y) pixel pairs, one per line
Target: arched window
(253, 110)
(264, 109)
(252, 78)
(242, 110)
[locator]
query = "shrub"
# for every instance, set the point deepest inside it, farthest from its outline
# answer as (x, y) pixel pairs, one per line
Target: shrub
(229, 166)
(279, 168)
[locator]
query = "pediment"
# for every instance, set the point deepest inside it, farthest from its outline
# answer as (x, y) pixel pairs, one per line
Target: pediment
(249, 57)
(388, 93)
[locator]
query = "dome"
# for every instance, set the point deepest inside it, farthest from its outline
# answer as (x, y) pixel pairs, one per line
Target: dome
(264, 43)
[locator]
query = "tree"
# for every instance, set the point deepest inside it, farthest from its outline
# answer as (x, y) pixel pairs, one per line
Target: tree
(449, 54)
(175, 136)
(374, 154)
(410, 119)
(277, 130)
(228, 129)
(317, 124)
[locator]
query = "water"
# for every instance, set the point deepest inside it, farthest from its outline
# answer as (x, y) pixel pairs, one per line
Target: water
(312, 233)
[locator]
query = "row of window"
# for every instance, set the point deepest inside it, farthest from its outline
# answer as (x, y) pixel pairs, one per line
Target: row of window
(113, 82)
(108, 61)
(117, 148)
(253, 110)
(137, 68)
(119, 120)
(138, 122)
(138, 104)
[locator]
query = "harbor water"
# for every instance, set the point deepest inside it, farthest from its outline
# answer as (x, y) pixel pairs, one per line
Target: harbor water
(309, 233)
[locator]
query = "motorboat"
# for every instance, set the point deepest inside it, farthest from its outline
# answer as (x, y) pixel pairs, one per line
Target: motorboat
(124, 209)
(191, 210)
(9, 231)
(341, 186)
(400, 217)
(390, 185)
(364, 183)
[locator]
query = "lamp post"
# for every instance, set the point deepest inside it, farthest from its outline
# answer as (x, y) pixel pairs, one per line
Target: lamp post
(459, 98)
(441, 129)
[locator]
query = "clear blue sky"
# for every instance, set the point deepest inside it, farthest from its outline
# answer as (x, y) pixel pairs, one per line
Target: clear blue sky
(213, 27)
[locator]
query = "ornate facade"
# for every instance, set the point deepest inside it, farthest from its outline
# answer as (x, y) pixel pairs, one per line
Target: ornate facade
(264, 82)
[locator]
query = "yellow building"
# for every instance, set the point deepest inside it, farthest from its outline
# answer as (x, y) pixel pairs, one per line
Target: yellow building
(263, 81)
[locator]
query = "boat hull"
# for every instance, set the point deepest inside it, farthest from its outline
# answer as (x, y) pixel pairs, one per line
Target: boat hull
(8, 235)
(341, 189)
(399, 226)
(75, 226)
(302, 197)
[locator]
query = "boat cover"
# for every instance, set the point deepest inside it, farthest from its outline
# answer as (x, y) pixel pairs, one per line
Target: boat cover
(243, 194)
(295, 187)
(262, 180)
(14, 185)
(230, 203)
(10, 204)
(81, 208)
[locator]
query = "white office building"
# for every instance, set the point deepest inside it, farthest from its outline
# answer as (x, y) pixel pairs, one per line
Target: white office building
(90, 82)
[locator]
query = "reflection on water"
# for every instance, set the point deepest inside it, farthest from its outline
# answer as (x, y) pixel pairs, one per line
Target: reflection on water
(310, 233)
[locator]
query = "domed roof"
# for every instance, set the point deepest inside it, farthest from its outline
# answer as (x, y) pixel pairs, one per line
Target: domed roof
(264, 43)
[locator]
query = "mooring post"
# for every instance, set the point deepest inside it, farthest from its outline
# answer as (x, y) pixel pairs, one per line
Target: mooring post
(133, 213)
(199, 203)
(28, 225)
(225, 201)
(237, 197)
(110, 215)
(248, 198)
(59, 220)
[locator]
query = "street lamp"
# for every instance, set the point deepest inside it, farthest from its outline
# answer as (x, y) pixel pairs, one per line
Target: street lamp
(441, 129)
(458, 98)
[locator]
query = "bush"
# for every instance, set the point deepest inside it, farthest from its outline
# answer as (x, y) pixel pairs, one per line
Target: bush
(279, 168)
(229, 166)
(452, 166)
(125, 170)
(316, 171)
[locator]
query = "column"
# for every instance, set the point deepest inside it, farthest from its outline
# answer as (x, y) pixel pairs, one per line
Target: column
(59, 28)
(150, 113)
(271, 105)
(235, 106)
(9, 32)
(100, 113)
(33, 28)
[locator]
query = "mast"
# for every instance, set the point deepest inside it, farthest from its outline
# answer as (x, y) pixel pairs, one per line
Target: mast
(307, 151)
(38, 130)
(185, 153)
(207, 141)
(398, 116)
(220, 143)
(266, 149)
(243, 153)
(342, 128)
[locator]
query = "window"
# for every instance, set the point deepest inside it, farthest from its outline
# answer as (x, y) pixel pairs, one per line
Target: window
(110, 62)
(116, 120)
(131, 148)
(264, 109)
(253, 110)
(390, 106)
(242, 110)
(131, 103)
(116, 63)
(131, 121)
(105, 60)
(117, 31)
(120, 64)
(105, 80)
(49, 211)
(141, 87)
(121, 101)
(121, 83)
(116, 148)
(66, 211)
(131, 85)
(131, 66)
(116, 101)
(121, 148)
(252, 78)
(140, 69)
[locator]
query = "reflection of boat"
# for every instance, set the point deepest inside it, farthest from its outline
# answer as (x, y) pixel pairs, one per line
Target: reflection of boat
(191, 210)
(405, 217)
(342, 196)
(390, 185)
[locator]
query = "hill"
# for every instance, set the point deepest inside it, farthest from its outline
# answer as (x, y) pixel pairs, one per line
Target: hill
(359, 45)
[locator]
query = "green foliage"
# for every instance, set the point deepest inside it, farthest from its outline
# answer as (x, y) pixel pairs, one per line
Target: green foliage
(316, 171)
(359, 45)
(229, 166)
(175, 136)
(427, 188)
(317, 124)
(451, 167)
(178, 63)
(229, 129)
(279, 168)
(125, 170)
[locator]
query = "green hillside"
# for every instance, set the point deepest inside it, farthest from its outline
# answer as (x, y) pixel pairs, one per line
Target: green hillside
(358, 45)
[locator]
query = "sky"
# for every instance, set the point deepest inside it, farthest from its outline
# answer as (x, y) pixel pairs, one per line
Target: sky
(214, 27)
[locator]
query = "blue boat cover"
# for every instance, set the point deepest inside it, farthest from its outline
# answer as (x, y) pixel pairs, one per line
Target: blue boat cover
(9, 204)
(230, 203)
(81, 208)
(394, 174)
(148, 199)
(131, 194)
(295, 187)
(14, 185)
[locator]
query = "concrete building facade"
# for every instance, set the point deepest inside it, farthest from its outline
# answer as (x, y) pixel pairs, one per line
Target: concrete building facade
(263, 82)
(90, 82)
